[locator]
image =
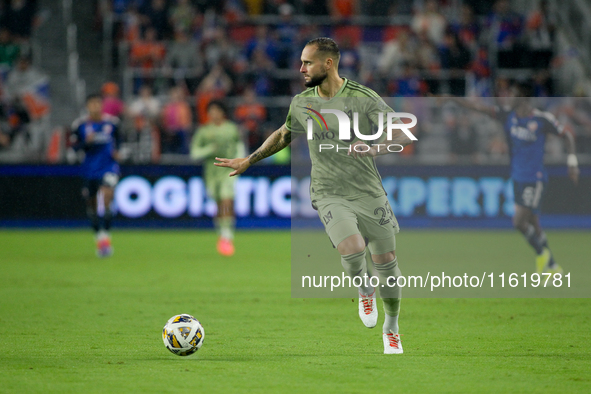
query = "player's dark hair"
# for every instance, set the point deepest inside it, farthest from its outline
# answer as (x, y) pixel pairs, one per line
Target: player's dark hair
(327, 46)
(93, 96)
(220, 104)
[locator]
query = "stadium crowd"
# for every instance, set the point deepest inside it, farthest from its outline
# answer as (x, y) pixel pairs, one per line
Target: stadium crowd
(190, 52)
(193, 38)
(24, 90)
(181, 54)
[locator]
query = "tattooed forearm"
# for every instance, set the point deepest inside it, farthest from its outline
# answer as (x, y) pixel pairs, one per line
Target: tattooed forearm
(276, 141)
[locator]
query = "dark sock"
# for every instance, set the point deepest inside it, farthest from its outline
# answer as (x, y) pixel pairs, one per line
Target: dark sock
(107, 218)
(94, 220)
(537, 241)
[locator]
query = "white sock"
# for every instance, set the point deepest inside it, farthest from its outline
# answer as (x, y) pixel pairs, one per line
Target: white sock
(354, 265)
(390, 324)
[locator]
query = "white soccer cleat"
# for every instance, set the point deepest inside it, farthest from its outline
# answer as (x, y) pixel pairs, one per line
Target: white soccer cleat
(392, 344)
(368, 311)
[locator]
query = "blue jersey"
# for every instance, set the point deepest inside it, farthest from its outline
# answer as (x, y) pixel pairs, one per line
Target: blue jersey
(526, 138)
(99, 152)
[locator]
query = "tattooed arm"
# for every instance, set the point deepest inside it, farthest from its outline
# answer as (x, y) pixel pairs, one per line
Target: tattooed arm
(276, 141)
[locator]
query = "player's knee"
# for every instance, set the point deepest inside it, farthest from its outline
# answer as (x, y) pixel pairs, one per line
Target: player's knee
(351, 245)
(108, 194)
(384, 257)
(519, 223)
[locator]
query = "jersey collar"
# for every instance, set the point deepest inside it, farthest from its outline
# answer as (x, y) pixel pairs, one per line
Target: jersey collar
(345, 80)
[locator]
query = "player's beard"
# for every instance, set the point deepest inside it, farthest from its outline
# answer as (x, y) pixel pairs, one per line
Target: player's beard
(316, 80)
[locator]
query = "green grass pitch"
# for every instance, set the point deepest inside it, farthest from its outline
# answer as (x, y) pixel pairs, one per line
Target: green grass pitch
(70, 322)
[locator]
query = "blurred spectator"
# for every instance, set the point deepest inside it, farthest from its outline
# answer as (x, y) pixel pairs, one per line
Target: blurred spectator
(184, 61)
(428, 60)
(5, 139)
(287, 35)
(408, 84)
(350, 62)
(376, 7)
(145, 111)
(220, 50)
(505, 28)
(456, 58)
(279, 7)
(233, 11)
(540, 28)
(15, 120)
(480, 7)
(254, 7)
(182, 16)
(503, 91)
(262, 41)
(542, 84)
(147, 53)
(503, 87)
(272, 7)
(132, 24)
(342, 9)
(480, 83)
(259, 73)
(396, 52)
(312, 7)
(145, 108)
(9, 51)
(22, 78)
(430, 21)
(120, 7)
(506, 25)
(176, 123)
(156, 14)
(18, 18)
(251, 114)
(467, 28)
(215, 85)
(426, 52)
(112, 104)
(28, 89)
(203, 6)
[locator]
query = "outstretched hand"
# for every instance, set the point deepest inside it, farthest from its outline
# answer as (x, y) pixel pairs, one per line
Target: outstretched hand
(238, 165)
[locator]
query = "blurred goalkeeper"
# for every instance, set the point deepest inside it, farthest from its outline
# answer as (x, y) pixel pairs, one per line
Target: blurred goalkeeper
(346, 188)
(219, 137)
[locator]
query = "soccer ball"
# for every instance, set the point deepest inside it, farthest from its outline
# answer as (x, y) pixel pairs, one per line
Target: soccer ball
(183, 335)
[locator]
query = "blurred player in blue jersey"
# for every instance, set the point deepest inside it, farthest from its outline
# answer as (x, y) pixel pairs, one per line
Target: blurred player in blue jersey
(526, 128)
(97, 135)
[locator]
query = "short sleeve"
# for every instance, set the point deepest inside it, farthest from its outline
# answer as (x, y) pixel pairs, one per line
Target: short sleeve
(292, 123)
(375, 106)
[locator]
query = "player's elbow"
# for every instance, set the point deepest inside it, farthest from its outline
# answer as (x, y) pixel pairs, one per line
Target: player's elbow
(406, 141)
